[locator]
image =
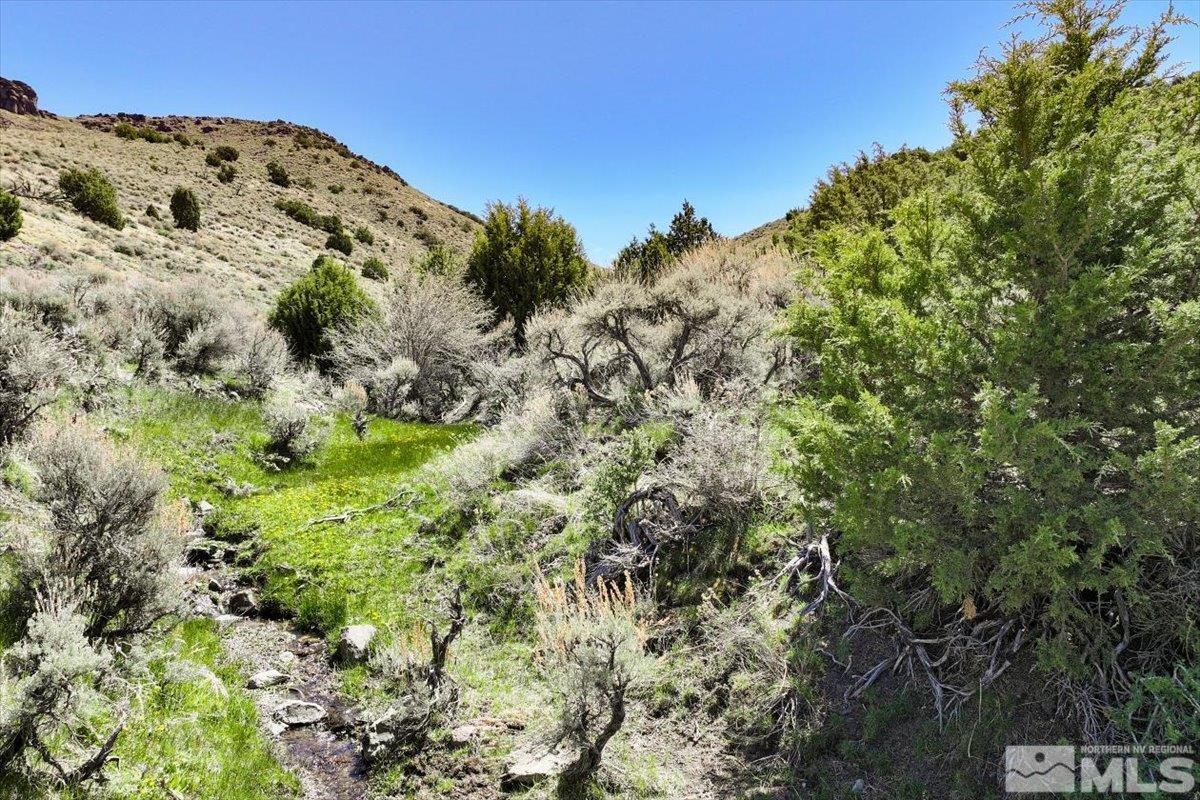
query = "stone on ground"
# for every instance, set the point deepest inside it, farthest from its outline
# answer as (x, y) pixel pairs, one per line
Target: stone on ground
(354, 643)
(299, 712)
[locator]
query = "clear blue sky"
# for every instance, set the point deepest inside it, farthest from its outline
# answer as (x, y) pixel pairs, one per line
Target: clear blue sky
(612, 113)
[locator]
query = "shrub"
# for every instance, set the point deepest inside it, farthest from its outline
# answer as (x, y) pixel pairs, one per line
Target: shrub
(341, 242)
(92, 195)
(308, 311)
(592, 644)
(306, 215)
(627, 340)
(176, 311)
(185, 208)
(277, 175)
(152, 212)
(424, 354)
(1004, 415)
(32, 365)
(126, 131)
(374, 269)
(212, 159)
(438, 260)
(48, 691)
(261, 357)
(207, 346)
(336, 188)
(107, 533)
(182, 138)
(364, 235)
(144, 346)
(525, 259)
(10, 216)
(226, 173)
(226, 152)
(295, 425)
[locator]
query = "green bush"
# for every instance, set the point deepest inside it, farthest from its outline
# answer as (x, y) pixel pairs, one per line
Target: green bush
(525, 259)
(226, 173)
(363, 234)
(185, 208)
(152, 212)
(226, 152)
(10, 216)
(336, 188)
(374, 269)
(340, 241)
(305, 214)
(1005, 407)
(212, 159)
(325, 298)
(277, 175)
(92, 195)
(126, 131)
(182, 138)
(438, 260)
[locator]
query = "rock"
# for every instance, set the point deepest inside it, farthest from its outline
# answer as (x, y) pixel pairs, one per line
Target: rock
(228, 619)
(464, 735)
(299, 712)
(268, 677)
(214, 585)
(355, 642)
(202, 552)
(395, 730)
(19, 98)
(341, 719)
(204, 508)
(286, 660)
(243, 601)
(526, 768)
(859, 786)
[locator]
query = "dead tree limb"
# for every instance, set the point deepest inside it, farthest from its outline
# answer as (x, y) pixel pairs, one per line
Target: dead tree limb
(404, 497)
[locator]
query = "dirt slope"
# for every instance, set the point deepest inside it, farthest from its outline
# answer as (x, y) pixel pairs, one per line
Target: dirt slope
(245, 248)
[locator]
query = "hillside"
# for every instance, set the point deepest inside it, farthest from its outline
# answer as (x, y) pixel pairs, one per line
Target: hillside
(245, 247)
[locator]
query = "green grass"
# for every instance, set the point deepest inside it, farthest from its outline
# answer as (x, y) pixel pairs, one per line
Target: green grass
(190, 729)
(195, 730)
(367, 569)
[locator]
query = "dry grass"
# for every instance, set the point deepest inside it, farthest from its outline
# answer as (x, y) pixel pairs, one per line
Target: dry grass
(245, 248)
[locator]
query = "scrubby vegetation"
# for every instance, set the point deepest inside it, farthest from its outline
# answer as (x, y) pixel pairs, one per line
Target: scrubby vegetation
(856, 510)
(185, 208)
(525, 259)
(124, 130)
(305, 215)
(92, 195)
(10, 216)
(340, 241)
(374, 269)
(309, 311)
(277, 175)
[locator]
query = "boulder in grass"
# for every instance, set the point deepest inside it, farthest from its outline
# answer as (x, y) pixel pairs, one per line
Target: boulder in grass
(527, 768)
(354, 643)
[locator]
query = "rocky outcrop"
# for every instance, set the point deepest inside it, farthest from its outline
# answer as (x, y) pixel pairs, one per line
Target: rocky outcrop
(19, 98)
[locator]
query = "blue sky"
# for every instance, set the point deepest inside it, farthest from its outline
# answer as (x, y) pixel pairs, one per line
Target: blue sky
(612, 113)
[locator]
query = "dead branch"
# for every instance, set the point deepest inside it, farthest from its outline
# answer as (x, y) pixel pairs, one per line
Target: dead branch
(404, 497)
